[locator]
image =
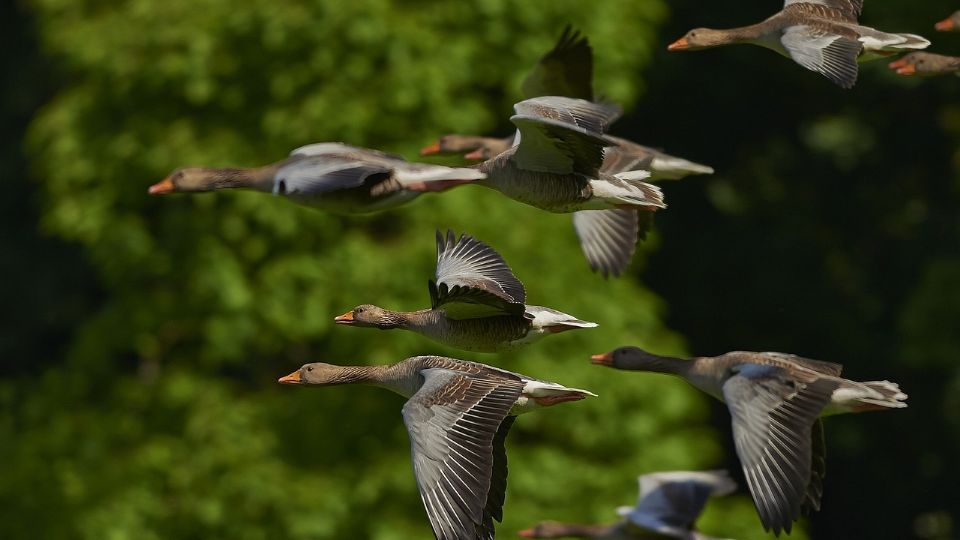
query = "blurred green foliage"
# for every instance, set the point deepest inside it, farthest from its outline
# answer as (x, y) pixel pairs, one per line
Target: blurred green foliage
(144, 335)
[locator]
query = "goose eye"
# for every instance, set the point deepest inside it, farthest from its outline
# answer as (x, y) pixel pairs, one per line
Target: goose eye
(309, 368)
(359, 310)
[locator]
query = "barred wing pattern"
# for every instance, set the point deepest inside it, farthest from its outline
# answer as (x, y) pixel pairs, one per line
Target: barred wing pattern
(772, 422)
(473, 280)
(457, 424)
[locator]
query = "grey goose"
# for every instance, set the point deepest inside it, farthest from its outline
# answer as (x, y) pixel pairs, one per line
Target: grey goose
(329, 176)
(457, 414)
(476, 304)
(775, 401)
(821, 35)
(924, 63)
(668, 505)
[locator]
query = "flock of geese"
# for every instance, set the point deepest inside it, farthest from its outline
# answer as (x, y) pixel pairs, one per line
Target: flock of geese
(561, 159)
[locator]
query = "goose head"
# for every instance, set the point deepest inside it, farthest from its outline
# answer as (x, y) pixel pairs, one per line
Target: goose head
(701, 38)
(630, 358)
(370, 316)
(197, 179)
(314, 373)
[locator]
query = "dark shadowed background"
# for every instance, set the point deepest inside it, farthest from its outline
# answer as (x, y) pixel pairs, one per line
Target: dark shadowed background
(142, 337)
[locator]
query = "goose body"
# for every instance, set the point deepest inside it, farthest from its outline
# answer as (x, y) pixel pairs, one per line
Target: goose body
(924, 63)
(821, 35)
(330, 176)
(477, 304)
(776, 401)
(667, 507)
(458, 415)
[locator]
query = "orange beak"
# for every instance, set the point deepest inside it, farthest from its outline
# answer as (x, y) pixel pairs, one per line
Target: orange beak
(526, 533)
(293, 378)
(346, 318)
(433, 148)
(679, 45)
(476, 154)
(162, 187)
(605, 359)
(945, 25)
(903, 67)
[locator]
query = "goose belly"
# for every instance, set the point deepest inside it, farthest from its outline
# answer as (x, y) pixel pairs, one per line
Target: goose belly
(487, 334)
(559, 193)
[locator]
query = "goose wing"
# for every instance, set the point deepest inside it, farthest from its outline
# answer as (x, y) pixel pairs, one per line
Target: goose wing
(567, 70)
(473, 280)
(609, 238)
(457, 425)
(825, 52)
(851, 8)
(325, 167)
(670, 502)
(561, 135)
(772, 421)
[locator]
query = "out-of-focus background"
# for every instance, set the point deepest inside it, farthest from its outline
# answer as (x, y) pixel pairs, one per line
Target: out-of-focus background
(142, 337)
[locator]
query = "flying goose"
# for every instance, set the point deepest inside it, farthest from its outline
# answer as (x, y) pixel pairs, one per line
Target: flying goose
(924, 63)
(476, 304)
(821, 35)
(776, 401)
(457, 414)
(330, 176)
(668, 505)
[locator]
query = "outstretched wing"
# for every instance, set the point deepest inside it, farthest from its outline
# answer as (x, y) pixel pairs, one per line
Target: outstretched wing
(473, 280)
(608, 238)
(457, 424)
(670, 502)
(772, 421)
(829, 54)
(567, 70)
(562, 135)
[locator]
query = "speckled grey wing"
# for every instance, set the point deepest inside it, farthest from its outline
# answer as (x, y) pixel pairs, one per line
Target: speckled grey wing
(608, 238)
(826, 368)
(473, 280)
(619, 158)
(454, 422)
(316, 175)
(772, 418)
(560, 135)
(670, 502)
(567, 70)
(850, 7)
(587, 115)
(829, 54)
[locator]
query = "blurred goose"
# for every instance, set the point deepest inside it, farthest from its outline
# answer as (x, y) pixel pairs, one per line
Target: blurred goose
(924, 63)
(776, 401)
(331, 176)
(476, 304)
(820, 35)
(669, 504)
(457, 415)
(556, 166)
(950, 24)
